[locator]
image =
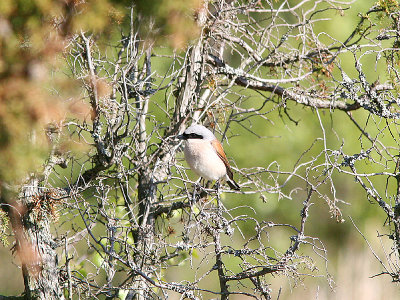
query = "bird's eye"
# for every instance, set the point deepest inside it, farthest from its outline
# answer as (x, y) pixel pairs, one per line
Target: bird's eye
(195, 136)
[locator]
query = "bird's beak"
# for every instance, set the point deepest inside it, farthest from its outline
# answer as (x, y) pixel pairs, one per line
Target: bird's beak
(180, 137)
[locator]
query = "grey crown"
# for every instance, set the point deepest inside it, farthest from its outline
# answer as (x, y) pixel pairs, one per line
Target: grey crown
(200, 130)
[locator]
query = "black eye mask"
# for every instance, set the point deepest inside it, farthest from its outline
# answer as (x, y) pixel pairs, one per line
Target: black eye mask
(192, 136)
(186, 136)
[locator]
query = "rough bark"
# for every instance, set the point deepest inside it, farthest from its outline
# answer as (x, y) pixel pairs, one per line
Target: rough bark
(31, 218)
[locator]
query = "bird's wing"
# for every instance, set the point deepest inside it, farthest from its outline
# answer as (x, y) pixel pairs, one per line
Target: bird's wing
(221, 154)
(220, 151)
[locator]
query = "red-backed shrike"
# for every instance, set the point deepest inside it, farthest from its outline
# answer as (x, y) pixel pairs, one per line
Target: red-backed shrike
(205, 155)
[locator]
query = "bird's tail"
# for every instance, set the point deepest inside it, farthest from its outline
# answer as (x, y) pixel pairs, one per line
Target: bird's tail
(232, 184)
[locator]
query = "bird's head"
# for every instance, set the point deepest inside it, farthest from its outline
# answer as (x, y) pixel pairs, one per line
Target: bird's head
(198, 132)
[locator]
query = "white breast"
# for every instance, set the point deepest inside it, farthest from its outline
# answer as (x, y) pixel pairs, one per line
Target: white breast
(203, 160)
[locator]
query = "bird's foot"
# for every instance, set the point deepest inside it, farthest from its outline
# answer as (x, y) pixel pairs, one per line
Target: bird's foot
(217, 186)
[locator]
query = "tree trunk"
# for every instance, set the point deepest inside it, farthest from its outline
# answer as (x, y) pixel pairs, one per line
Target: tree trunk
(35, 244)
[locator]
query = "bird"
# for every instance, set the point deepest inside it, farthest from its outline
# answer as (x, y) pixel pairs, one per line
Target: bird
(205, 155)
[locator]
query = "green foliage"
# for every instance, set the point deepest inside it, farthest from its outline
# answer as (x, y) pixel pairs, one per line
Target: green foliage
(172, 20)
(389, 6)
(33, 35)
(3, 228)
